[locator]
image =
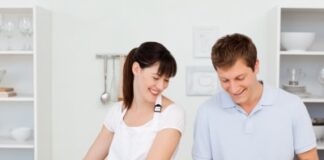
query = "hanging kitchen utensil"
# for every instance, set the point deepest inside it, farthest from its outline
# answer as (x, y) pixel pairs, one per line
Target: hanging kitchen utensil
(105, 96)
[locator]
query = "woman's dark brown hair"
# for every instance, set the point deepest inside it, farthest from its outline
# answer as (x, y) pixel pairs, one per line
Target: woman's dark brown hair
(147, 54)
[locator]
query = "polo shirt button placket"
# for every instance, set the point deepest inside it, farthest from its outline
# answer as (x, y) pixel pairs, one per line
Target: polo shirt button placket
(248, 126)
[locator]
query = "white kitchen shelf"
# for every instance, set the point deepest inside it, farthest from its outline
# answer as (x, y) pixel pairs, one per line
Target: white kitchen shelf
(16, 52)
(17, 99)
(21, 97)
(319, 53)
(307, 63)
(8, 143)
(313, 100)
(29, 73)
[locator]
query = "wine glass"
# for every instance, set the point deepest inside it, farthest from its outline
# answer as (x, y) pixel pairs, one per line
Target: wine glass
(1, 23)
(9, 29)
(321, 79)
(25, 28)
(29, 33)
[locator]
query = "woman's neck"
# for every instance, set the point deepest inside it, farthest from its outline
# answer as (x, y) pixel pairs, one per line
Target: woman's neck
(139, 104)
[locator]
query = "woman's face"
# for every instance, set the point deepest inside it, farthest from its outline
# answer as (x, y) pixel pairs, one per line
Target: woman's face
(148, 83)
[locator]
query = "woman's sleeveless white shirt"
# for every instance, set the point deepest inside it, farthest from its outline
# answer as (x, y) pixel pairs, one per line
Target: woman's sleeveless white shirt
(134, 143)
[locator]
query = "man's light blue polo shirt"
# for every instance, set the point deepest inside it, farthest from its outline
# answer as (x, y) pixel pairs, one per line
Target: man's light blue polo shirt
(278, 127)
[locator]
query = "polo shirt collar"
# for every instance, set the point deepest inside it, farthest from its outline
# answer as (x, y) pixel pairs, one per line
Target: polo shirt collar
(267, 98)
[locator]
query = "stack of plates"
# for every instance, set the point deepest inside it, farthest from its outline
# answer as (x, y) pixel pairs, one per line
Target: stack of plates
(296, 89)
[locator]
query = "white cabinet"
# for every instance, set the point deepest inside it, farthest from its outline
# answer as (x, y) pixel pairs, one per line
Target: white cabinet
(301, 65)
(25, 55)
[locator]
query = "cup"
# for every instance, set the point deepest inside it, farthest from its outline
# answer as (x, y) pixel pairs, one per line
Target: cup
(2, 73)
(322, 74)
(21, 134)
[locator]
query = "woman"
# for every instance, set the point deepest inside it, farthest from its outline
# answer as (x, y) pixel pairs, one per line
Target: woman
(145, 125)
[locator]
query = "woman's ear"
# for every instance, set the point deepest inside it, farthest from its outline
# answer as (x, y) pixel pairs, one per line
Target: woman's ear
(136, 68)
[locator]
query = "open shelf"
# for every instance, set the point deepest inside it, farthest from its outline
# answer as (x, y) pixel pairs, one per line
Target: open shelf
(16, 52)
(26, 58)
(321, 53)
(7, 142)
(19, 98)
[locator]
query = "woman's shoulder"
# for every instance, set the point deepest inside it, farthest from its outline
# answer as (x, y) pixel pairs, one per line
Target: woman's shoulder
(166, 101)
(170, 106)
(117, 107)
(172, 116)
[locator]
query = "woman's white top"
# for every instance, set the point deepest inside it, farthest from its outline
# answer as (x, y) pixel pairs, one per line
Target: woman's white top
(134, 143)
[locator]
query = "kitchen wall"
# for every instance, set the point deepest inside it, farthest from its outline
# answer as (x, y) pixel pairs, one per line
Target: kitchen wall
(83, 28)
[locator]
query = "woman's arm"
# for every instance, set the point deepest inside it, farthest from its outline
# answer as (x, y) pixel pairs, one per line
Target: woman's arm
(100, 147)
(164, 145)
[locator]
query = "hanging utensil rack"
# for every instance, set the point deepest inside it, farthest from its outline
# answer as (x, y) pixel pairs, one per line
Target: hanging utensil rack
(113, 56)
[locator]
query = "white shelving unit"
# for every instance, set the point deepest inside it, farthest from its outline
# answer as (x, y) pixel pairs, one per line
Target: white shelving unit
(309, 62)
(27, 60)
(8, 143)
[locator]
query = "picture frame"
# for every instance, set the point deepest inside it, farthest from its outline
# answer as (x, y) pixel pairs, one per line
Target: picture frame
(201, 81)
(204, 37)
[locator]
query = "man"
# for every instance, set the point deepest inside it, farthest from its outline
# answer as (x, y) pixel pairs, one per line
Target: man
(250, 120)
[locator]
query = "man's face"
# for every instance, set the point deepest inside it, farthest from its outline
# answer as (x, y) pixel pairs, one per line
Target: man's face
(239, 81)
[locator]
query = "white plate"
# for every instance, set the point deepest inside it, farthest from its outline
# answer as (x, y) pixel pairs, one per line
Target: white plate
(303, 95)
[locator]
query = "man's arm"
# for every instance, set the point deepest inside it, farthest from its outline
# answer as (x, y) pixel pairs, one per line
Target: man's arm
(308, 155)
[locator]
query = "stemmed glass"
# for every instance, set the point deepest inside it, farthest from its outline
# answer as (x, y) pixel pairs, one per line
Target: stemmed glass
(25, 28)
(0, 22)
(8, 29)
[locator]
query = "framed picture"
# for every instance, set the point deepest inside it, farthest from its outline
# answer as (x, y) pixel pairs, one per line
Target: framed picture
(203, 40)
(201, 81)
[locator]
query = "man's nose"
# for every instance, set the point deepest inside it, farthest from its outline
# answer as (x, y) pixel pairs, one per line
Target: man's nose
(233, 87)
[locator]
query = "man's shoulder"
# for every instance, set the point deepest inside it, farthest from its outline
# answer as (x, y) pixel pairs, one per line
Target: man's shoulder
(281, 95)
(285, 99)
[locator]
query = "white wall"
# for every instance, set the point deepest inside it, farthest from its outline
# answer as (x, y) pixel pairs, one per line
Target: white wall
(83, 28)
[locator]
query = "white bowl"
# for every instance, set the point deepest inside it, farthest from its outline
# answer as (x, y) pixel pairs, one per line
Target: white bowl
(21, 134)
(319, 132)
(297, 41)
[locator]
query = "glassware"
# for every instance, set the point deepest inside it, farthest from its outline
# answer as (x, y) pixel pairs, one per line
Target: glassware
(321, 80)
(25, 28)
(2, 73)
(9, 29)
(1, 21)
(322, 74)
(296, 75)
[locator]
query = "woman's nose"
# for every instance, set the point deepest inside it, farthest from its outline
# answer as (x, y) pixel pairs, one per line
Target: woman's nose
(161, 84)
